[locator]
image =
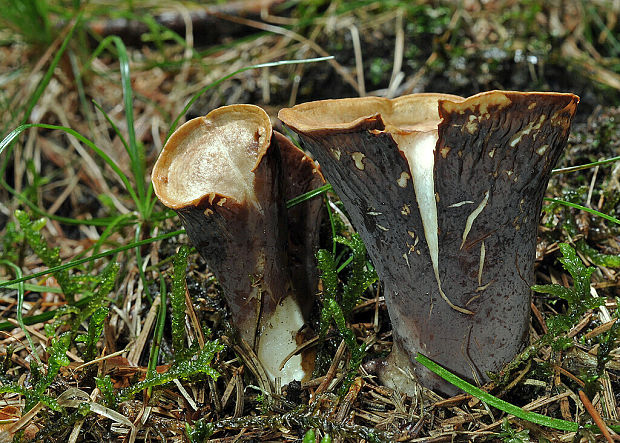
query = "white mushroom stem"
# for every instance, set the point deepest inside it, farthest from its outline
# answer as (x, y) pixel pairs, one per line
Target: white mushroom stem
(419, 149)
(278, 339)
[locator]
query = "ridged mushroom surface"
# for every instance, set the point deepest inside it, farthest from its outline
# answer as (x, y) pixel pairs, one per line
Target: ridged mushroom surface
(446, 192)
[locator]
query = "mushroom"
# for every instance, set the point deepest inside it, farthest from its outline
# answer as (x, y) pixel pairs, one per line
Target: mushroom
(446, 193)
(228, 176)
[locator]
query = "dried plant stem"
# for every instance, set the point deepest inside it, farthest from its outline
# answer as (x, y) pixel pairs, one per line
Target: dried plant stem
(595, 416)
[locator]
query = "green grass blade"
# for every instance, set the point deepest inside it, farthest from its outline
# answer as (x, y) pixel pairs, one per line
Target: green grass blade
(583, 208)
(137, 157)
(585, 166)
(9, 138)
(20, 307)
(149, 201)
(239, 71)
(489, 399)
(36, 95)
(345, 264)
(103, 221)
(115, 223)
(111, 123)
(35, 288)
(134, 150)
(139, 264)
(159, 33)
(75, 263)
(45, 316)
(332, 222)
(308, 195)
(610, 39)
(158, 335)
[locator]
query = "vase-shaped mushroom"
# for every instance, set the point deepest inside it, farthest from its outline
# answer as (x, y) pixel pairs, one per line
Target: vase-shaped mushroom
(228, 176)
(446, 192)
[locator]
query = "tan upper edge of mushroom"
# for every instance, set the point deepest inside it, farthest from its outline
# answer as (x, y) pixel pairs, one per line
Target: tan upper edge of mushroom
(410, 112)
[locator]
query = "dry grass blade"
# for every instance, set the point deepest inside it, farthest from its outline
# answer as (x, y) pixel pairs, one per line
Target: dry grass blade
(595, 416)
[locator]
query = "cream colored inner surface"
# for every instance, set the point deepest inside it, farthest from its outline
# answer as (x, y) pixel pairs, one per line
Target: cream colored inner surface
(419, 149)
(215, 158)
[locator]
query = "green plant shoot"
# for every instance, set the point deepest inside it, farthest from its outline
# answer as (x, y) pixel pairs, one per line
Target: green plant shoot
(201, 363)
(177, 301)
(338, 307)
(578, 298)
(49, 256)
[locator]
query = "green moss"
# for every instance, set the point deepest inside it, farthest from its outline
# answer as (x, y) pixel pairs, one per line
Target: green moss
(338, 305)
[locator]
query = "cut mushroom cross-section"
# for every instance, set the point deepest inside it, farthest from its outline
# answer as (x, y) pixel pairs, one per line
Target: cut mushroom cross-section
(446, 193)
(228, 176)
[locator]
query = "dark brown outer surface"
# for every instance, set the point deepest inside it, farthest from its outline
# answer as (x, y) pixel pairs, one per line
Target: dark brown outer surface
(300, 175)
(465, 169)
(244, 248)
(247, 250)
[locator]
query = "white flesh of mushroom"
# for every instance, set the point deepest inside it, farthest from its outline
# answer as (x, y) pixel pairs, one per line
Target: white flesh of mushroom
(419, 150)
(277, 341)
(472, 217)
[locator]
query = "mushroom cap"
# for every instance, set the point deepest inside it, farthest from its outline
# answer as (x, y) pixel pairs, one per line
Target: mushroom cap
(198, 161)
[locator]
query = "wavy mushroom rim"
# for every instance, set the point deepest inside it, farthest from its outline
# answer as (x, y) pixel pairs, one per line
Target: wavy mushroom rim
(348, 113)
(303, 117)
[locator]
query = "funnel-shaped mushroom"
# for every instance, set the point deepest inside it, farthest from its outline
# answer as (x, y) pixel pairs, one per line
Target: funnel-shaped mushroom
(446, 193)
(228, 176)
